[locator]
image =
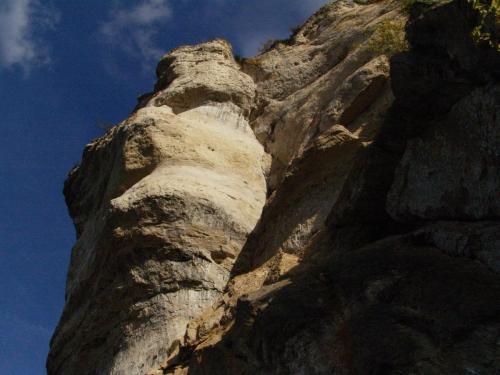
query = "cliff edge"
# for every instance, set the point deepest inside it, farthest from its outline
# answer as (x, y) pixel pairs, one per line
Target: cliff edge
(330, 206)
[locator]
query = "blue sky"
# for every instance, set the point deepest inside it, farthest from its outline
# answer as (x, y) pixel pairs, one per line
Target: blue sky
(66, 68)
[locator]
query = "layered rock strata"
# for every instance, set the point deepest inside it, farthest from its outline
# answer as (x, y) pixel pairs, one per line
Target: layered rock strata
(318, 209)
(163, 204)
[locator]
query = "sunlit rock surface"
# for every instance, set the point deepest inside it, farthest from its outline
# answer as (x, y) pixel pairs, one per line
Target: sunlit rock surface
(320, 208)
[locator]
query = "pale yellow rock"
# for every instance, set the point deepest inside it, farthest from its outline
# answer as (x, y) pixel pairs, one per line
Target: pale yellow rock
(164, 202)
(328, 75)
(190, 76)
(182, 193)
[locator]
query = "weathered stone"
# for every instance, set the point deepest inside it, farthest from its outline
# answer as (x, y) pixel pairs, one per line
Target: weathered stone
(451, 172)
(372, 249)
(394, 306)
(299, 207)
(478, 241)
(325, 76)
(161, 220)
(190, 76)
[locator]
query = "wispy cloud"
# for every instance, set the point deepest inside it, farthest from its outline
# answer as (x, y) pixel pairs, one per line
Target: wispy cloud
(132, 29)
(21, 23)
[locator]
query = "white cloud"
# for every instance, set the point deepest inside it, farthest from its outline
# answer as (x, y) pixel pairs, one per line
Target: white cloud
(133, 29)
(20, 23)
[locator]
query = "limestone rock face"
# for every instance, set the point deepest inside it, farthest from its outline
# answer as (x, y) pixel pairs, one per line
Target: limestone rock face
(395, 305)
(325, 75)
(297, 210)
(318, 209)
(192, 75)
(163, 204)
(442, 176)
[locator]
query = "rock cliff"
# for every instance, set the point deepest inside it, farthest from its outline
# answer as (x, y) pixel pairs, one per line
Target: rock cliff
(326, 207)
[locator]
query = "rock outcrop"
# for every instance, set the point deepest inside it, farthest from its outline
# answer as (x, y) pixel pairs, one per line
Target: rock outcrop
(319, 209)
(163, 204)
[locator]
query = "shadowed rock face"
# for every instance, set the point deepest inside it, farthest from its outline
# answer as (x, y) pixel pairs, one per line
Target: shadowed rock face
(317, 209)
(451, 170)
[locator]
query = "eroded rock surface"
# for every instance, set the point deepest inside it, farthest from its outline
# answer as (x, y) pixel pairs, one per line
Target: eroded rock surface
(451, 170)
(319, 209)
(163, 204)
(325, 75)
(192, 75)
